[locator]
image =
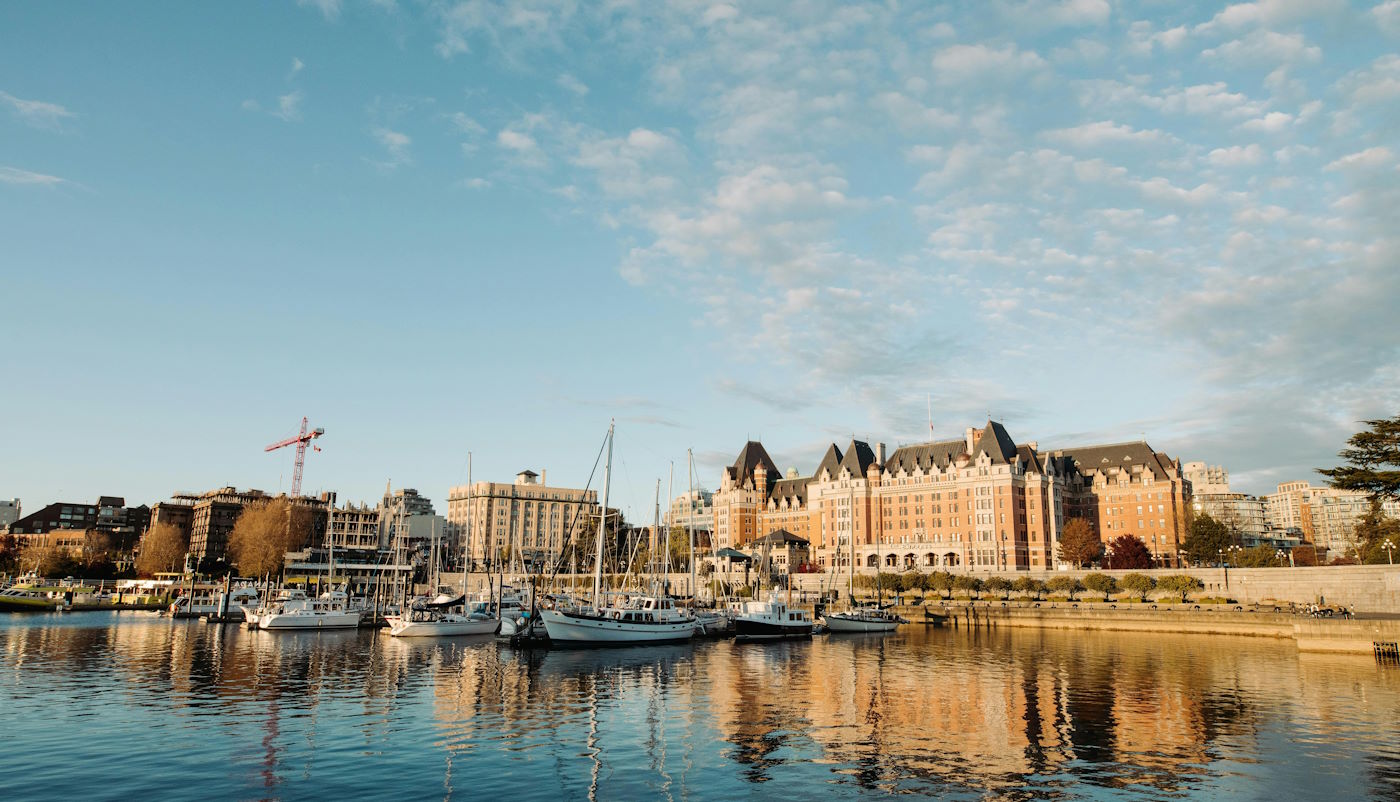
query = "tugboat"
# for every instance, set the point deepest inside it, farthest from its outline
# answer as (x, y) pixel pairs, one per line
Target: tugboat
(769, 620)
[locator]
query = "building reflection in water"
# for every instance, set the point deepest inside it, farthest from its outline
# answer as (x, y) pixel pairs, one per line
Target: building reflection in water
(1015, 714)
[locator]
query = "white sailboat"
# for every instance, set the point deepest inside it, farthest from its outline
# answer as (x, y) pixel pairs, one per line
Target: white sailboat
(293, 609)
(637, 619)
(442, 618)
(865, 618)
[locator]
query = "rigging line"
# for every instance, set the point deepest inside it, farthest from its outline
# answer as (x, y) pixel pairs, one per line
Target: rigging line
(577, 514)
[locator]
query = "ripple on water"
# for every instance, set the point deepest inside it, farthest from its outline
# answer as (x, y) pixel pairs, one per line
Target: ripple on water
(135, 706)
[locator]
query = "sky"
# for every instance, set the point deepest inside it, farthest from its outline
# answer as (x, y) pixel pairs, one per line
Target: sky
(441, 228)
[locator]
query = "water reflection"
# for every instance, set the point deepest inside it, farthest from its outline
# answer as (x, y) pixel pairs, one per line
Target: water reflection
(1012, 714)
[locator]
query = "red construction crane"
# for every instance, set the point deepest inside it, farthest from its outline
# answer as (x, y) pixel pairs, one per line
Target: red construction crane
(300, 441)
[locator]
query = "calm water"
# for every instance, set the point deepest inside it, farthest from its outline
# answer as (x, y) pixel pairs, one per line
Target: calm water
(127, 706)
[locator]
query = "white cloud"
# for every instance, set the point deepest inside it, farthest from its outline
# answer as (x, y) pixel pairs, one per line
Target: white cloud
(634, 165)
(330, 9)
(396, 148)
(911, 115)
(1271, 12)
(969, 63)
(1058, 13)
(1236, 156)
(1387, 16)
(476, 183)
(572, 84)
(466, 125)
(1265, 47)
(1270, 123)
(1096, 134)
(1369, 159)
(297, 66)
(522, 146)
(14, 175)
(38, 113)
(289, 106)
(1160, 189)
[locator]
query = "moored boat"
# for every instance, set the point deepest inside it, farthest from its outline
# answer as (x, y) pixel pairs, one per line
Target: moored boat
(769, 620)
(428, 623)
(863, 619)
(293, 609)
(24, 599)
(641, 619)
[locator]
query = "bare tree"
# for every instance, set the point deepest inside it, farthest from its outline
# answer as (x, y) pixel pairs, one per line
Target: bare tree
(265, 532)
(163, 549)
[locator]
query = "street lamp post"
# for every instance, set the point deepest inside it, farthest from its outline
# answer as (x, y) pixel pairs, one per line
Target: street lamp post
(1389, 551)
(1279, 555)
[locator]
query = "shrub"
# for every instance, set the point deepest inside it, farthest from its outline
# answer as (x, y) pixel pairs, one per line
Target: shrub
(1100, 583)
(999, 585)
(968, 583)
(1138, 584)
(1067, 585)
(1179, 585)
(941, 581)
(1025, 584)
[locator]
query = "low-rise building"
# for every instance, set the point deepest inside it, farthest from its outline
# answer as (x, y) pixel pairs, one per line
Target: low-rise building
(781, 552)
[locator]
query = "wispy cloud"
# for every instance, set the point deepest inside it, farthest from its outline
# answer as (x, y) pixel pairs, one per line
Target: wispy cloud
(38, 113)
(14, 175)
(330, 9)
(289, 106)
(572, 84)
(396, 149)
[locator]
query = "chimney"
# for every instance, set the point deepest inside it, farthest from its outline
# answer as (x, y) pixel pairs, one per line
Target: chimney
(544, 476)
(969, 436)
(880, 454)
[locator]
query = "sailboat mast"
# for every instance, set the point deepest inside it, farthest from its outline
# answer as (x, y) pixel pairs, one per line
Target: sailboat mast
(851, 591)
(330, 540)
(602, 525)
(690, 519)
(466, 546)
(657, 551)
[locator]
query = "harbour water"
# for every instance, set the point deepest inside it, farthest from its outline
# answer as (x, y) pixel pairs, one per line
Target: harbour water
(131, 706)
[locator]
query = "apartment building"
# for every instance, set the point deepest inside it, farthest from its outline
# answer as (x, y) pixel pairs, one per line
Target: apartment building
(526, 519)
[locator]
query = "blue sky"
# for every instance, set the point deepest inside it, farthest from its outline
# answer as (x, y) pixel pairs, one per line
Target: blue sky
(440, 227)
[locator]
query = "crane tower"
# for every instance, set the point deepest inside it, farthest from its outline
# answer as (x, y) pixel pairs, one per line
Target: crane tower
(300, 441)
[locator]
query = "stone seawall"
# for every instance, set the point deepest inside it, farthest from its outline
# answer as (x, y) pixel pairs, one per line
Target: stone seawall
(1368, 588)
(1310, 635)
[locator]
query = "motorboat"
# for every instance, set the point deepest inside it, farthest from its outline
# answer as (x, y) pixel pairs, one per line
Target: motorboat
(769, 620)
(426, 622)
(635, 619)
(208, 600)
(863, 619)
(293, 609)
(23, 598)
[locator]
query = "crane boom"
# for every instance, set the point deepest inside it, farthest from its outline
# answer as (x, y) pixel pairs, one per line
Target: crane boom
(304, 437)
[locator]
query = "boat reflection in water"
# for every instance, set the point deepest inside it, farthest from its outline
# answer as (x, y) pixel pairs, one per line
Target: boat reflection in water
(946, 713)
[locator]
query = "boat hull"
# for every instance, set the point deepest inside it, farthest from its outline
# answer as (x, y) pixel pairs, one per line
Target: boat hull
(25, 605)
(284, 621)
(587, 630)
(749, 629)
(400, 628)
(839, 623)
